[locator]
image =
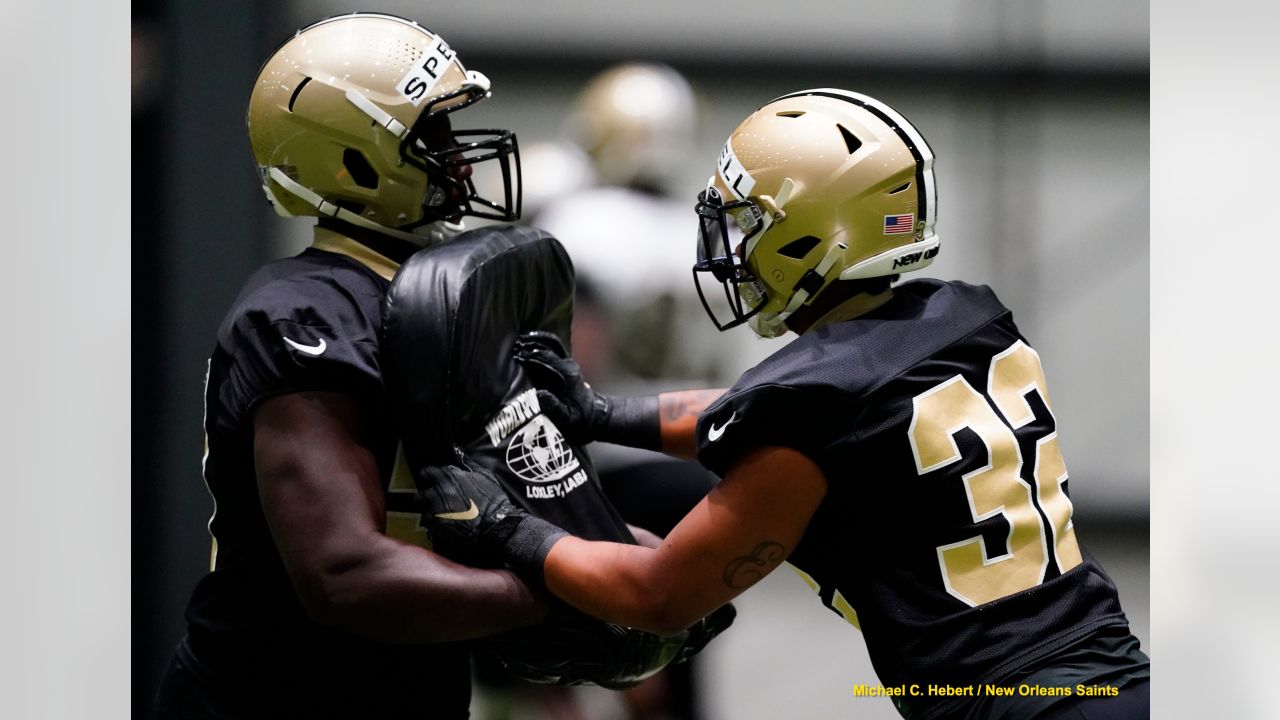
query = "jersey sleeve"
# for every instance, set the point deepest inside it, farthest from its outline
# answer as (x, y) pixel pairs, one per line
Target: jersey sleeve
(760, 416)
(317, 343)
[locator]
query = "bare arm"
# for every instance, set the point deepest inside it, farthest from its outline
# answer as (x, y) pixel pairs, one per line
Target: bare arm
(323, 499)
(739, 533)
(644, 538)
(678, 419)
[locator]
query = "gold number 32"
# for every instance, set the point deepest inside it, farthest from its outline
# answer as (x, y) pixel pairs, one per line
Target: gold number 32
(971, 571)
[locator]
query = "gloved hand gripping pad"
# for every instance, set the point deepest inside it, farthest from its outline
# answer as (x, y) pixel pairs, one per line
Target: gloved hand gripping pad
(450, 322)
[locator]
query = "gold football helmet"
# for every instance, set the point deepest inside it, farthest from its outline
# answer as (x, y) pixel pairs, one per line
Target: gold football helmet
(349, 119)
(636, 121)
(816, 186)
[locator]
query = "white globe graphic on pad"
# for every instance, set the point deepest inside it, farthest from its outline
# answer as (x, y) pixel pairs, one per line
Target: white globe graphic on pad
(539, 453)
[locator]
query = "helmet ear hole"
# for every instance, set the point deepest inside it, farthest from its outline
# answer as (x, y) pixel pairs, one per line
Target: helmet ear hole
(358, 166)
(797, 249)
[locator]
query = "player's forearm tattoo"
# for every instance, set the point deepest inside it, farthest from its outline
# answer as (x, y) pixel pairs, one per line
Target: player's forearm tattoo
(688, 403)
(744, 571)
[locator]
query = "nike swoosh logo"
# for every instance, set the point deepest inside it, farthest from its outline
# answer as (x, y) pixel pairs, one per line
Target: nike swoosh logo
(308, 349)
(470, 513)
(715, 432)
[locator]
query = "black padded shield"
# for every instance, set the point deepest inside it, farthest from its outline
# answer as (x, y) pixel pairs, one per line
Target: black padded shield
(450, 321)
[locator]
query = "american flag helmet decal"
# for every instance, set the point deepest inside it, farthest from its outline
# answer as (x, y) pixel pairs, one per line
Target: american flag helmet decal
(899, 224)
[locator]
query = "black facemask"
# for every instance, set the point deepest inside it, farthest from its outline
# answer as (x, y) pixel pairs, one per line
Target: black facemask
(432, 146)
(720, 238)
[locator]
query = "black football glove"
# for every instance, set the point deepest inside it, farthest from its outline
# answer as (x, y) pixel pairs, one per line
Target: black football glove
(570, 648)
(701, 633)
(582, 414)
(471, 520)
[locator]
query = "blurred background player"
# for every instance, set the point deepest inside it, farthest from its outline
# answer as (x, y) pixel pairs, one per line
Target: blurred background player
(633, 126)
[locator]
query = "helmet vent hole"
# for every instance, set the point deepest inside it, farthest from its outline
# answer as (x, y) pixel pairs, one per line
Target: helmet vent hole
(361, 171)
(900, 188)
(851, 141)
(797, 249)
(294, 97)
(791, 113)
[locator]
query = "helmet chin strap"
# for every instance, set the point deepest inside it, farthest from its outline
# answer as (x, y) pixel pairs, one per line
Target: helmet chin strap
(424, 236)
(817, 276)
(765, 328)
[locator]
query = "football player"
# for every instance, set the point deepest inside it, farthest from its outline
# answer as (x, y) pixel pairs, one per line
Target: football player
(321, 593)
(901, 453)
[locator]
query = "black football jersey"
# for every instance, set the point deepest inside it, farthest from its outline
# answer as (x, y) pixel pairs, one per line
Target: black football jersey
(309, 322)
(946, 531)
